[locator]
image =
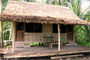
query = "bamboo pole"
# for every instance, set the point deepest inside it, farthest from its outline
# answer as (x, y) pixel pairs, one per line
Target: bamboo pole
(58, 37)
(0, 25)
(13, 26)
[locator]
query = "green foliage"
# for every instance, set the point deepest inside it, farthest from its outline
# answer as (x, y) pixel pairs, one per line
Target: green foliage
(6, 24)
(81, 32)
(76, 58)
(84, 43)
(4, 3)
(6, 30)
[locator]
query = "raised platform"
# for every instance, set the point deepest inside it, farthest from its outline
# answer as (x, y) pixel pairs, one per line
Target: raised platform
(39, 51)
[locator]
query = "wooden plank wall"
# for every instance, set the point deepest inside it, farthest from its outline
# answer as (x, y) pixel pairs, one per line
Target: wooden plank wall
(38, 37)
(47, 28)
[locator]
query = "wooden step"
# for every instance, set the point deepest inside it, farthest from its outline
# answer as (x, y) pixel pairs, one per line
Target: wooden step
(21, 44)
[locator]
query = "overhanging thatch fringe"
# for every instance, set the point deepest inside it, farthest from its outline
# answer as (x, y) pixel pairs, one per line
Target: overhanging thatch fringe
(39, 13)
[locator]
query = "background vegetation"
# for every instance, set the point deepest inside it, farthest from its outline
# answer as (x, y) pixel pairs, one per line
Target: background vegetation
(82, 33)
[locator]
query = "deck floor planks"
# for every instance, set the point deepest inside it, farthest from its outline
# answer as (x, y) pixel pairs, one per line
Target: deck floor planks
(38, 51)
(3, 50)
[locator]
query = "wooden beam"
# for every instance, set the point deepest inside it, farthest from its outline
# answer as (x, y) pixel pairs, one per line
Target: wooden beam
(68, 56)
(58, 37)
(13, 26)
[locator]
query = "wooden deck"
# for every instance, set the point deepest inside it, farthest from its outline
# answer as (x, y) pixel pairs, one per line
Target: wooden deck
(3, 50)
(38, 51)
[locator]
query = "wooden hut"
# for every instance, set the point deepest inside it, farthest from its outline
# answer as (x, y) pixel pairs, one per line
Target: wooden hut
(40, 23)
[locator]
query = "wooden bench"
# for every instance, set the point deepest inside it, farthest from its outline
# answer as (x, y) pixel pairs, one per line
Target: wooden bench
(50, 44)
(50, 41)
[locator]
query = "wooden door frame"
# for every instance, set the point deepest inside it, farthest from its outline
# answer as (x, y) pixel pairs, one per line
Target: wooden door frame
(73, 38)
(19, 30)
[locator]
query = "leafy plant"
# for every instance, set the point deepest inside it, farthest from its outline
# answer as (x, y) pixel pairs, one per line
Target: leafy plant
(81, 32)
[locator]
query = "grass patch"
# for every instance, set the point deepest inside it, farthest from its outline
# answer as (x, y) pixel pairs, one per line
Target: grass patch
(37, 44)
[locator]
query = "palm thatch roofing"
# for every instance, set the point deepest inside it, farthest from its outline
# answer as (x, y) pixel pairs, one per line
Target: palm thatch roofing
(40, 13)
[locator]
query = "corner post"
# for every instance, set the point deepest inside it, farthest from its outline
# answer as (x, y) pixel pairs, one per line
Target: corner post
(0, 25)
(13, 26)
(1, 42)
(58, 37)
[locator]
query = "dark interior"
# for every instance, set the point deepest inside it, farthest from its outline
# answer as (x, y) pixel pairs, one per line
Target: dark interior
(33, 27)
(62, 28)
(37, 27)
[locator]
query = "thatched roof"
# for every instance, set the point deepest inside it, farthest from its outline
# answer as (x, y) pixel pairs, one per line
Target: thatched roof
(40, 13)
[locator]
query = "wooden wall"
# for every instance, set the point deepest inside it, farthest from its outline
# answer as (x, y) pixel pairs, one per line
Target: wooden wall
(38, 37)
(47, 28)
(20, 36)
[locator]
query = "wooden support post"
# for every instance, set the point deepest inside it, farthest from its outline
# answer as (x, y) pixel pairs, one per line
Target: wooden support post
(1, 34)
(13, 26)
(0, 25)
(58, 37)
(66, 34)
(74, 34)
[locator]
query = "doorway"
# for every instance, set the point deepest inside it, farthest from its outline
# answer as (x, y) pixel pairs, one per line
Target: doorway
(19, 31)
(70, 33)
